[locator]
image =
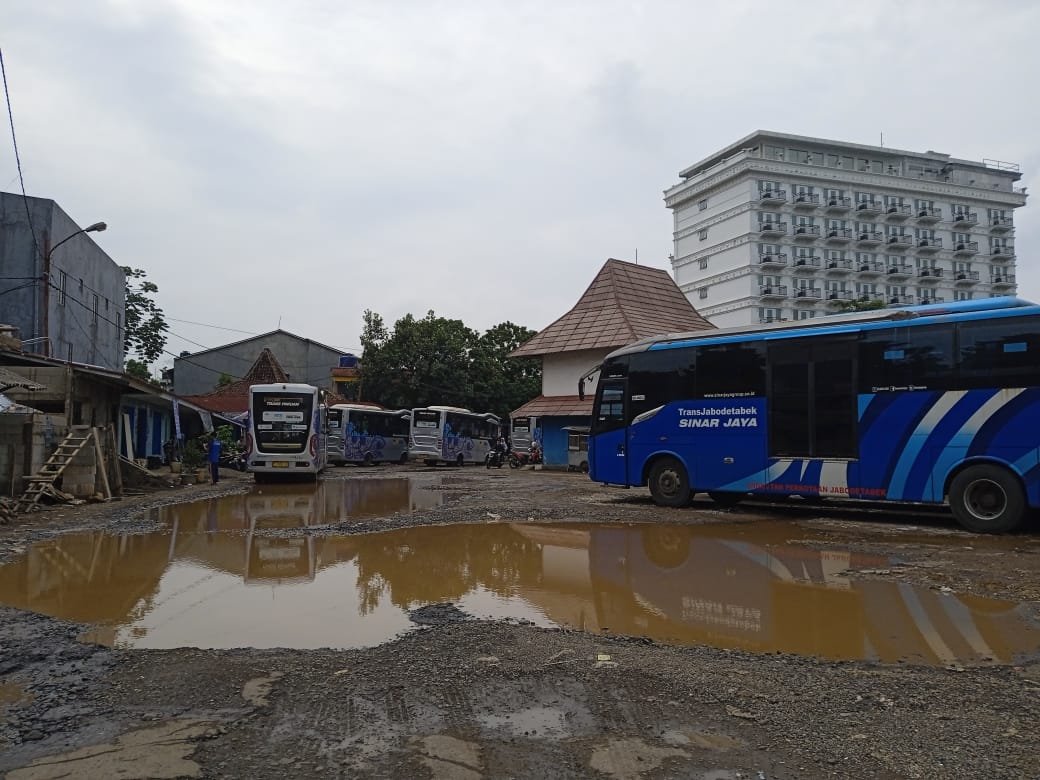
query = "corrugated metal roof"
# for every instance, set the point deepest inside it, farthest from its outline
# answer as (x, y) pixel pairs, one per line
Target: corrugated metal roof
(9, 379)
(625, 302)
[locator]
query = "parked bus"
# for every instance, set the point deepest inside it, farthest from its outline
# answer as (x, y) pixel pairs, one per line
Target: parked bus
(363, 434)
(523, 432)
(448, 434)
(923, 404)
(286, 431)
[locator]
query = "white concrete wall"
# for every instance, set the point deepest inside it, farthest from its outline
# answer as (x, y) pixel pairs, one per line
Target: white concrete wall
(560, 372)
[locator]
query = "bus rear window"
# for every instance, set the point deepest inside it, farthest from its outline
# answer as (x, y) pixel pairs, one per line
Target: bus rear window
(426, 418)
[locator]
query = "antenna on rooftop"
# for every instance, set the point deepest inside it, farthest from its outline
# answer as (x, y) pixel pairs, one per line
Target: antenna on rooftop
(882, 138)
(637, 255)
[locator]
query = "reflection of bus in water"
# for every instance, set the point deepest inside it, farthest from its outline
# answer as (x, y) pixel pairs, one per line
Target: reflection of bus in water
(286, 435)
(282, 558)
(364, 434)
(450, 434)
(681, 586)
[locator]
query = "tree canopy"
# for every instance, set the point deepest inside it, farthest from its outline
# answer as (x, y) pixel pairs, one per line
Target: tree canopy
(145, 335)
(435, 360)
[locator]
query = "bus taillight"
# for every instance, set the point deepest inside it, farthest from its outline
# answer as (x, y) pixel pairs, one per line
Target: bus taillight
(249, 444)
(314, 445)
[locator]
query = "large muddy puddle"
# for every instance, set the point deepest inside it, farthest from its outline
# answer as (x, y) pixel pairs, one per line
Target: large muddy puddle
(218, 577)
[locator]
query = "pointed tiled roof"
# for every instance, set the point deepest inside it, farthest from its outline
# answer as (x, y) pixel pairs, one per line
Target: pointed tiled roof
(234, 397)
(625, 302)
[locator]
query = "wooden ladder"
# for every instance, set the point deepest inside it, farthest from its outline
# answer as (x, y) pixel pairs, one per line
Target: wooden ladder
(42, 484)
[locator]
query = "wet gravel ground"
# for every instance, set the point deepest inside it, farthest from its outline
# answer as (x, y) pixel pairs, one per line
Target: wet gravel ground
(466, 698)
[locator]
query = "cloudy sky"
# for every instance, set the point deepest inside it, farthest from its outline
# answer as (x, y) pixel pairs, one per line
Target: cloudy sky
(296, 163)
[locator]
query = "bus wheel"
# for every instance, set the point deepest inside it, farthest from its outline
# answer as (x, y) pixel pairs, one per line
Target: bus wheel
(987, 499)
(584, 467)
(368, 458)
(403, 459)
(460, 461)
(725, 499)
(669, 484)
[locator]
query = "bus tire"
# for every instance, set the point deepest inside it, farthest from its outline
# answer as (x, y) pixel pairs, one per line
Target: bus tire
(669, 483)
(987, 499)
(403, 459)
(584, 467)
(460, 460)
(368, 458)
(726, 498)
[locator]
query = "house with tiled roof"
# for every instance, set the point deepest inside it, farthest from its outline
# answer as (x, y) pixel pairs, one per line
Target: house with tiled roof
(233, 398)
(625, 302)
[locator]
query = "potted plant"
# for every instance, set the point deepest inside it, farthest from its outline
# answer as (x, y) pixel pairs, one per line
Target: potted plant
(194, 460)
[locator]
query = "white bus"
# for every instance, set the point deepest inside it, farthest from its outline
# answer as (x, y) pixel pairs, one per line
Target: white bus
(364, 434)
(448, 434)
(523, 432)
(286, 432)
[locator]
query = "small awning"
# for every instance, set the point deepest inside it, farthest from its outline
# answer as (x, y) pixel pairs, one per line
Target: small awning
(9, 379)
(555, 406)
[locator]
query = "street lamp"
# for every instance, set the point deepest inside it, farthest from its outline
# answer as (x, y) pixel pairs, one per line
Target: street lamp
(97, 227)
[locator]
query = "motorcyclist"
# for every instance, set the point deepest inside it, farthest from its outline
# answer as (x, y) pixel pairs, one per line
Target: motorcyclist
(536, 452)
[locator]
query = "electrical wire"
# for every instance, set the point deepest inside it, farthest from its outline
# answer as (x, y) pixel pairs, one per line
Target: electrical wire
(17, 156)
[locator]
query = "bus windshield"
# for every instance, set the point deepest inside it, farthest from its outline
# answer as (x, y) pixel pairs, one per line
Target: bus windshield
(426, 418)
(282, 421)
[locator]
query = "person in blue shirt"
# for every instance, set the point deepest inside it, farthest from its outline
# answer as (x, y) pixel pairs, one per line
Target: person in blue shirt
(213, 456)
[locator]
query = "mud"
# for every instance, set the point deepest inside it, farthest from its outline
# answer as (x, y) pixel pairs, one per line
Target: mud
(464, 697)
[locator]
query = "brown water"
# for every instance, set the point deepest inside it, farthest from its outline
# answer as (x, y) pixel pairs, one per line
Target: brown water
(743, 586)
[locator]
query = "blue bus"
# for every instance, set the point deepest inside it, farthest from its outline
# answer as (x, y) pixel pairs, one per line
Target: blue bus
(925, 404)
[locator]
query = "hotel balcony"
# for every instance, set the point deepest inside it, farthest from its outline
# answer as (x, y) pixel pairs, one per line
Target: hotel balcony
(926, 245)
(900, 300)
(837, 205)
(805, 232)
(772, 228)
(1001, 224)
(871, 268)
(965, 218)
(963, 248)
(869, 208)
(805, 263)
(897, 211)
(805, 200)
(900, 271)
(807, 294)
(838, 267)
(1002, 252)
(868, 297)
(965, 277)
(930, 274)
(773, 291)
(899, 241)
(1002, 281)
(772, 197)
(927, 215)
(924, 300)
(771, 319)
(839, 235)
(775, 260)
(838, 296)
(869, 238)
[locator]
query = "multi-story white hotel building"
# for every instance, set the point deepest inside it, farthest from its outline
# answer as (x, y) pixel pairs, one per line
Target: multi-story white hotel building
(780, 226)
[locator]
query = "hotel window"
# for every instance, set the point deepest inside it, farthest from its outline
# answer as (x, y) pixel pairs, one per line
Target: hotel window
(703, 263)
(703, 234)
(774, 152)
(768, 188)
(702, 204)
(702, 293)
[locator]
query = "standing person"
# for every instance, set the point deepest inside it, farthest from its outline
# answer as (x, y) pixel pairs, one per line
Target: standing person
(213, 455)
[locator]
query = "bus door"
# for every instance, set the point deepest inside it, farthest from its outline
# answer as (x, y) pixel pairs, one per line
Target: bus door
(812, 398)
(608, 451)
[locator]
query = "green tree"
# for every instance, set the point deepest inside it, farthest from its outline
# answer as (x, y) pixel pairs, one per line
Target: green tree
(440, 361)
(224, 380)
(139, 369)
(860, 305)
(146, 327)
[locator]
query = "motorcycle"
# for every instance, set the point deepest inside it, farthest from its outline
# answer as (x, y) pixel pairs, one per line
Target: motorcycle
(494, 458)
(517, 458)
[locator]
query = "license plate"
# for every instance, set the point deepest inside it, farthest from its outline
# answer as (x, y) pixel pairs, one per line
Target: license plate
(280, 464)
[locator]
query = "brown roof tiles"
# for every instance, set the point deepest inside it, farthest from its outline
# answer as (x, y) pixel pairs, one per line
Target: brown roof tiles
(625, 302)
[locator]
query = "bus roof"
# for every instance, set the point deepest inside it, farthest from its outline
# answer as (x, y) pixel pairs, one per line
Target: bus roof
(292, 387)
(837, 323)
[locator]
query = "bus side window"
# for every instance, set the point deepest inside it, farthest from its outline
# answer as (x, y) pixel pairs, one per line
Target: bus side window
(1000, 353)
(611, 406)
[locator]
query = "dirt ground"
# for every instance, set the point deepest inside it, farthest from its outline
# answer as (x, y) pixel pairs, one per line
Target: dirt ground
(466, 699)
